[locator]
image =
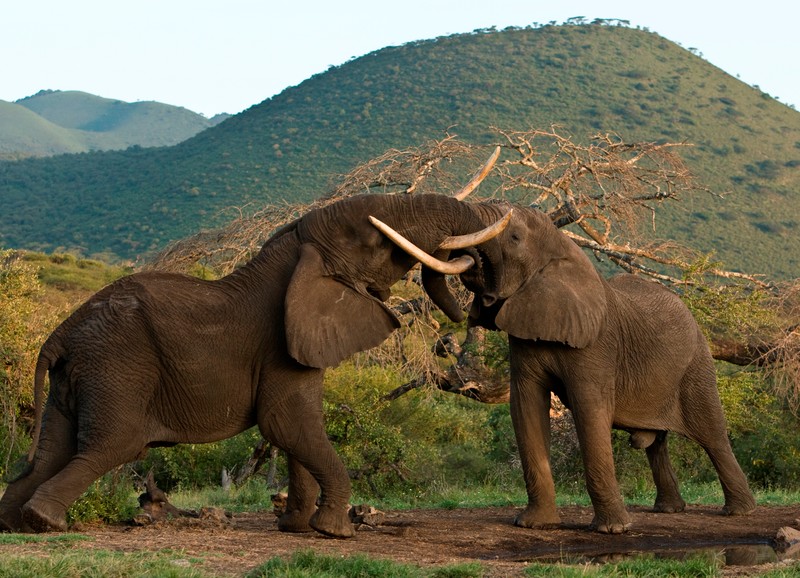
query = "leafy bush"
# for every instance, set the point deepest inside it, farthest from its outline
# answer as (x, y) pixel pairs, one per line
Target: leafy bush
(109, 499)
(405, 444)
(192, 466)
(19, 291)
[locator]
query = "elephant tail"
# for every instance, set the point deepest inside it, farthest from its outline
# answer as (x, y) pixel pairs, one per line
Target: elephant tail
(43, 365)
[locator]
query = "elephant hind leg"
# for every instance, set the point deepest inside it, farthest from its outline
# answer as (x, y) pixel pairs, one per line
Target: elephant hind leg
(98, 451)
(739, 499)
(57, 446)
(47, 509)
(668, 495)
(705, 423)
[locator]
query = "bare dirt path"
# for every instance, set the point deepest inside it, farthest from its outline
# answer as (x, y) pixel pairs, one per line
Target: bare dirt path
(438, 537)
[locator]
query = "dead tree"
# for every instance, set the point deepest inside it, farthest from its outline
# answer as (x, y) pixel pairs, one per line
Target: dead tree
(604, 193)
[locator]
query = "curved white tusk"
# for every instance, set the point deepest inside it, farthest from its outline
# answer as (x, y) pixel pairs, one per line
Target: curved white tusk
(473, 239)
(454, 267)
(479, 176)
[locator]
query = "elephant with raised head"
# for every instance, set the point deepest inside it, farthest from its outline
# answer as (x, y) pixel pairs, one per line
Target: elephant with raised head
(158, 359)
(624, 353)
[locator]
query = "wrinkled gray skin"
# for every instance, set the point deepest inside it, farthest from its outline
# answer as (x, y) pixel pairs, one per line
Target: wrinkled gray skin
(157, 359)
(623, 353)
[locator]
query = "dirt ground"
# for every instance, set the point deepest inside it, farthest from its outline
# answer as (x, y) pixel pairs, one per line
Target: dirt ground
(233, 546)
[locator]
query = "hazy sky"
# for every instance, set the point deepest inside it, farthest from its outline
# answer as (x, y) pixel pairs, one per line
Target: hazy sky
(225, 56)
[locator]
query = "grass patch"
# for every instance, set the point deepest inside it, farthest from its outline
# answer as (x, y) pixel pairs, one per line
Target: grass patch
(11, 539)
(305, 563)
(443, 495)
(69, 562)
(255, 496)
(639, 566)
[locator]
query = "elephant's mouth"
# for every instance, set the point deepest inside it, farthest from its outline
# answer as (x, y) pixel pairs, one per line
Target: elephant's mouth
(481, 278)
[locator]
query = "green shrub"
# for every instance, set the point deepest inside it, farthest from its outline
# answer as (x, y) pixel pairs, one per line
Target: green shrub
(109, 499)
(19, 291)
(191, 466)
(764, 433)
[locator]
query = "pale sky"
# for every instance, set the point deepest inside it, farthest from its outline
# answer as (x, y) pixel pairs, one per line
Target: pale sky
(226, 56)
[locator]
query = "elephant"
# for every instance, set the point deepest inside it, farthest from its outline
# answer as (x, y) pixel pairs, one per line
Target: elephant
(157, 359)
(621, 353)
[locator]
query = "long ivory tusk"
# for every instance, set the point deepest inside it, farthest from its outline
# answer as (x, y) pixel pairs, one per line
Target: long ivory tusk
(479, 176)
(473, 239)
(453, 267)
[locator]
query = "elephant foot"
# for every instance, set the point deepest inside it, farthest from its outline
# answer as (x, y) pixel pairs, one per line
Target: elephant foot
(295, 521)
(669, 506)
(333, 522)
(611, 524)
(533, 517)
(739, 507)
(35, 520)
(11, 520)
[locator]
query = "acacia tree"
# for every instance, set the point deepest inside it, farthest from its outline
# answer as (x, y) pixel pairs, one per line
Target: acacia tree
(603, 194)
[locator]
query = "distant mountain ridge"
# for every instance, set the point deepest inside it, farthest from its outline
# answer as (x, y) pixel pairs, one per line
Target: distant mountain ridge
(587, 79)
(56, 122)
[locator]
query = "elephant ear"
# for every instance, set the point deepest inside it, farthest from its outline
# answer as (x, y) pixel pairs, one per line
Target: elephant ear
(564, 302)
(326, 320)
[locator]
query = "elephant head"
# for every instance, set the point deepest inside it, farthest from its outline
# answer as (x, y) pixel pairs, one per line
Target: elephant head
(543, 288)
(346, 266)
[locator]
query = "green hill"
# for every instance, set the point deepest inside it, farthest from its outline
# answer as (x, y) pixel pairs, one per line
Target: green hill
(587, 79)
(56, 122)
(24, 131)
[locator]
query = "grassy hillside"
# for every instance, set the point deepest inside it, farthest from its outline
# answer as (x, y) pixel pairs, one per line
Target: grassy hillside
(57, 122)
(587, 79)
(24, 132)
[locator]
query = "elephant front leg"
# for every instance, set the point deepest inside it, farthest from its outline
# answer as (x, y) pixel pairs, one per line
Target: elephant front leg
(295, 424)
(301, 502)
(530, 415)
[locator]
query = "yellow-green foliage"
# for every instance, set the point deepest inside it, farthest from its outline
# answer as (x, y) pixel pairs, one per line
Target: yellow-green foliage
(19, 291)
(737, 311)
(407, 442)
(65, 271)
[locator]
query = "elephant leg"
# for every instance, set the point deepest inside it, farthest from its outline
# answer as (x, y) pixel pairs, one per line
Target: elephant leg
(738, 498)
(705, 422)
(302, 500)
(530, 415)
(295, 424)
(593, 424)
(47, 509)
(57, 446)
(668, 495)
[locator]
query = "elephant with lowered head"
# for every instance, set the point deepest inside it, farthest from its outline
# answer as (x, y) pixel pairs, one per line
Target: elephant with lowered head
(621, 353)
(158, 359)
